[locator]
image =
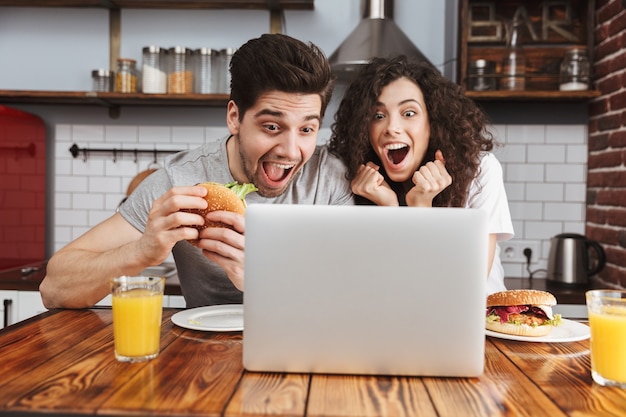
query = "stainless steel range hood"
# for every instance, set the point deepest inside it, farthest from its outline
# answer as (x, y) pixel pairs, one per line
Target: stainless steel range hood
(377, 35)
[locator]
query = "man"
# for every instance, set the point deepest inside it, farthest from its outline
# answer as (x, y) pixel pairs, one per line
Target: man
(280, 88)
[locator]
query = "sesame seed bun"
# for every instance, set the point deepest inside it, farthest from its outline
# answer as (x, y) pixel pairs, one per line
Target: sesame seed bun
(220, 197)
(521, 297)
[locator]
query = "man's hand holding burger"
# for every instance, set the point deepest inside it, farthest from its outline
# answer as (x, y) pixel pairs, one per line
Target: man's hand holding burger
(225, 245)
(168, 223)
(221, 237)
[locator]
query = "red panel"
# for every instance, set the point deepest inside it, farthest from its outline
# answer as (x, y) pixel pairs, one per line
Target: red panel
(22, 188)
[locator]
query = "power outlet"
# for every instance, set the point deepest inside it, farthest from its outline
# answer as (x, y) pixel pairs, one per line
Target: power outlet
(512, 251)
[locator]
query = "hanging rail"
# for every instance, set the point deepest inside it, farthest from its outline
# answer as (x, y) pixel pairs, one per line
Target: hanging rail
(76, 150)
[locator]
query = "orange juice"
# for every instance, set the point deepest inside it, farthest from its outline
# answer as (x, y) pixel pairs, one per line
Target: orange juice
(137, 323)
(608, 342)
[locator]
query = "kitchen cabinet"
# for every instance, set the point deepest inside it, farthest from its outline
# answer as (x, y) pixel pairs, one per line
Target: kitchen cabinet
(20, 305)
(114, 100)
(8, 308)
(29, 304)
(548, 29)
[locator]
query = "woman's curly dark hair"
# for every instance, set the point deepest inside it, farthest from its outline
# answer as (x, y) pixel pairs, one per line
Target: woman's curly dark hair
(457, 126)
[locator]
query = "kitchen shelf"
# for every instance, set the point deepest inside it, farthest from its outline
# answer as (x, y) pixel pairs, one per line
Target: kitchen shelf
(500, 95)
(114, 100)
(111, 99)
(168, 4)
(482, 29)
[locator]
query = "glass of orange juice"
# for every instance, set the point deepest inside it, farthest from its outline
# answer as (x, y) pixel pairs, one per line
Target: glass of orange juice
(607, 319)
(137, 310)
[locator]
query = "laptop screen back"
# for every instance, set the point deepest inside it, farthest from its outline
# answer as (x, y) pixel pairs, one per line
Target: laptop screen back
(365, 290)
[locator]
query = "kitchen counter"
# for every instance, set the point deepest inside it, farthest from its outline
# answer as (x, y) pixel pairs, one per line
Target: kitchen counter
(23, 278)
(28, 277)
(565, 294)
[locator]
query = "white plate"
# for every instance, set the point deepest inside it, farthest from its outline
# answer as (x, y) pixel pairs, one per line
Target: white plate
(568, 331)
(220, 318)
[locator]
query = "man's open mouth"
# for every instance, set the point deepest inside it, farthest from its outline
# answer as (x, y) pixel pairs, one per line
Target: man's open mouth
(276, 172)
(396, 152)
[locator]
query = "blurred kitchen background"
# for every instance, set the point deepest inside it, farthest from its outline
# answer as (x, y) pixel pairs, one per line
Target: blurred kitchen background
(547, 144)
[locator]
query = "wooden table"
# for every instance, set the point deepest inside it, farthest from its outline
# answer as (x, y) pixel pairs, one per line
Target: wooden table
(61, 363)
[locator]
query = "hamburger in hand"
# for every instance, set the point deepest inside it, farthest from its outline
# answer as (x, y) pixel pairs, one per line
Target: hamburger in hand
(227, 197)
(522, 312)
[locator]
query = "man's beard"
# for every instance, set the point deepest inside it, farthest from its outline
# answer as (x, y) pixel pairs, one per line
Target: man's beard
(255, 178)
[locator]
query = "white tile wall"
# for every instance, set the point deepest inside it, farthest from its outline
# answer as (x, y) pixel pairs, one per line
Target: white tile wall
(544, 172)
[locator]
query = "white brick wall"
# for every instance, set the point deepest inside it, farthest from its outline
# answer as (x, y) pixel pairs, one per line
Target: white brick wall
(544, 171)
(88, 191)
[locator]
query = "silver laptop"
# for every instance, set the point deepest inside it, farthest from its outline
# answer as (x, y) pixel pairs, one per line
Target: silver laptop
(365, 290)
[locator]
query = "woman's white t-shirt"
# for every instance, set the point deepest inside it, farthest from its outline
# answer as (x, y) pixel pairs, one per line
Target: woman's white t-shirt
(487, 192)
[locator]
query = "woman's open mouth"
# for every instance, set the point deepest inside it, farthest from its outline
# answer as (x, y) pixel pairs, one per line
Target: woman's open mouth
(396, 153)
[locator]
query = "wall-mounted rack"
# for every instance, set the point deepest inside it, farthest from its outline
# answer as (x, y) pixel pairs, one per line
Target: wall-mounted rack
(75, 150)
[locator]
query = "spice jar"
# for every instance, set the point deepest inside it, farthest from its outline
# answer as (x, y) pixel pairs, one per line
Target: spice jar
(153, 70)
(574, 74)
(203, 71)
(180, 72)
(102, 80)
(481, 76)
(126, 76)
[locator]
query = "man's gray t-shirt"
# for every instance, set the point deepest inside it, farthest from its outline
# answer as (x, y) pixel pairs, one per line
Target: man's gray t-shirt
(321, 181)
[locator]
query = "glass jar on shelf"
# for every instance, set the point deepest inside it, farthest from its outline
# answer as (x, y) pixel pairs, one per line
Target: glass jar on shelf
(204, 72)
(153, 70)
(481, 75)
(223, 80)
(180, 71)
(126, 76)
(574, 73)
(102, 80)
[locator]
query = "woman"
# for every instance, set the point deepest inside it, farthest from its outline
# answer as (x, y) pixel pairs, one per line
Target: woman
(411, 137)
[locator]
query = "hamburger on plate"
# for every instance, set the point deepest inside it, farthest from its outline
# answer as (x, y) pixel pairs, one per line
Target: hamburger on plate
(521, 312)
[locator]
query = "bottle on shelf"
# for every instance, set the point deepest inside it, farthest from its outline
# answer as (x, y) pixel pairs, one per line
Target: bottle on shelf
(513, 74)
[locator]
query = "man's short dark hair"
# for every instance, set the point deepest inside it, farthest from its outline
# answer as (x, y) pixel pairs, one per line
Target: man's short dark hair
(276, 62)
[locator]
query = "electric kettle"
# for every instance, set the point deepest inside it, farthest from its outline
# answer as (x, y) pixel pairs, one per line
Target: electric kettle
(569, 261)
